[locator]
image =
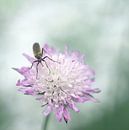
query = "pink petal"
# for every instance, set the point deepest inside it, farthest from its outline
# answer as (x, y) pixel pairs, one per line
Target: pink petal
(66, 115)
(22, 70)
(78, 56)
(73, 107)
(91, 90)
(59, 113)
(18, 83)
(29, 58)
(24, 83)
(66, 50)
(76, 98)
(47, 110)
(89, 97)
(29, 92)
(26, 91)
(48, 50)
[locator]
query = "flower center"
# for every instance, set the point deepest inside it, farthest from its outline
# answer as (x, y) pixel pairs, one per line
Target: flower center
(55, 89)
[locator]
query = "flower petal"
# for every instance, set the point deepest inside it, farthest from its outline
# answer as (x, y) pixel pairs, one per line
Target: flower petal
(48, 50)
(92, 90)
(59, 113)
(22, 70)
(66, 115)
(26, 91)
(29, 58)
(78, 56)
(29, 92)
(47, 110)
(89, 97)
(73, 107)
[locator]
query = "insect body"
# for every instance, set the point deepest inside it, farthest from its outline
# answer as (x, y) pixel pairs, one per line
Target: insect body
(38, 53)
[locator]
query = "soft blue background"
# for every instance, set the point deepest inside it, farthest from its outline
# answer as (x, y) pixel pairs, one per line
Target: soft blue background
(97, 28)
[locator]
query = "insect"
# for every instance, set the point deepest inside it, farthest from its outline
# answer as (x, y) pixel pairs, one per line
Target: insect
(38, 53)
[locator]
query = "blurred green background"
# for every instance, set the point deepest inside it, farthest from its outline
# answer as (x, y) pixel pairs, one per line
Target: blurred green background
(99, 29)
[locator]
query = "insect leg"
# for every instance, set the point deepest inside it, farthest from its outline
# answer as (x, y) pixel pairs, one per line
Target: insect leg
(37, 70)
(49, 59)
(41, 63)
(33, 63)
(46, 65)
(43, 50)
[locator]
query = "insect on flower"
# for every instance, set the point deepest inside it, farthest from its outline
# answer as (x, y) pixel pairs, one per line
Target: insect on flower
(38, 53)
(68, 84)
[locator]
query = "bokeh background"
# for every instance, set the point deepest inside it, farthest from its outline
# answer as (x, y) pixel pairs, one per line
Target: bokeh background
(97, 28)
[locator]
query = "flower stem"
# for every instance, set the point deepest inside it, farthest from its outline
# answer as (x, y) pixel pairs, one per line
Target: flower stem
(45, 124)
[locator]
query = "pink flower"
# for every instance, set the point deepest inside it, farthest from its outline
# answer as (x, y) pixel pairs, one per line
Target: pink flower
(68, 82)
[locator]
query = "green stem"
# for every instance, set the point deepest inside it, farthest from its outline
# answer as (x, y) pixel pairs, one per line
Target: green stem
(45, 124)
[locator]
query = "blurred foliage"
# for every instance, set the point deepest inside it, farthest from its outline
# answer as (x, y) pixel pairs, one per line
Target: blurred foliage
(5, 116)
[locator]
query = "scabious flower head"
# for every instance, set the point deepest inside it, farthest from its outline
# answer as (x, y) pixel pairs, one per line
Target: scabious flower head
(68, 82)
